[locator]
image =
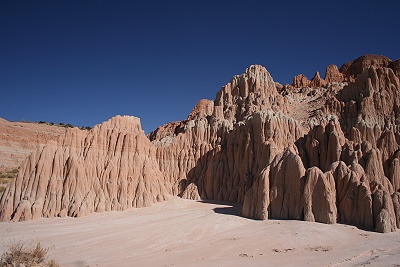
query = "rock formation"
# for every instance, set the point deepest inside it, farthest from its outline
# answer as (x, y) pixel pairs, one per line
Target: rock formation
(113, 167)
(317, 81)
(19, 139)
(332, 74)
(301, 81)
(329, 153)
(352, 68)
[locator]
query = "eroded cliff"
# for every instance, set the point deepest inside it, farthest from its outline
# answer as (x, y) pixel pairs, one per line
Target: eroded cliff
(324, 150)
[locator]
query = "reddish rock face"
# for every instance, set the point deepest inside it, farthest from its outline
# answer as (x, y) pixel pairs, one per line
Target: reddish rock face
(202, 109)
(300, 81)
(357, 66)
(317, 81)
(332, 74)
(19, 139)
(325, 152)
(395, 66)
(170, 129)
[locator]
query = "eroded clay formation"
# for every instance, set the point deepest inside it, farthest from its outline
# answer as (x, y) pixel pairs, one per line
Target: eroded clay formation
(325, 150)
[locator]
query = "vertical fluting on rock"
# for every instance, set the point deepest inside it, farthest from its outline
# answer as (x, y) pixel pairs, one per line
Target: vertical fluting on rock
(339, 163)
(112, 167)
(319, 198)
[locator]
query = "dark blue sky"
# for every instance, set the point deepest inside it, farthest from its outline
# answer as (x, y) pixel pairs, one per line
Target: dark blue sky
(82, 62)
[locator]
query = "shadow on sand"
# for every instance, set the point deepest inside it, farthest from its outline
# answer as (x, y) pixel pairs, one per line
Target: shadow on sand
(227, 208)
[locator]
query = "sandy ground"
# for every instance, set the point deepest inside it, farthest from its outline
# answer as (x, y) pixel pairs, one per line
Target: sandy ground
(187, 233)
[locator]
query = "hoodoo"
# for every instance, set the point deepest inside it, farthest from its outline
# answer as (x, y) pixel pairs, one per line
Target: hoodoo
(325, 150)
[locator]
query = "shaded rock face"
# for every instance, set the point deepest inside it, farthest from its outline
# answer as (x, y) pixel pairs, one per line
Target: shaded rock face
(395, 66)
(352, 68)
(164, 133)
(371, 102)
(353, 194)
(319, 198)
(337, 161)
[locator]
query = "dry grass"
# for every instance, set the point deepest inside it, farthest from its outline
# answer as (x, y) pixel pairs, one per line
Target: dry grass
(7, 177)
(19, 255)
(5, 180)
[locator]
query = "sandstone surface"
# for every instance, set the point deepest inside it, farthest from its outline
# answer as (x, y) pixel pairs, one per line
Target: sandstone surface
(300, 81)
(19, 139)
(327, 152)
(352, 68)
(332, 74)
(317, 81)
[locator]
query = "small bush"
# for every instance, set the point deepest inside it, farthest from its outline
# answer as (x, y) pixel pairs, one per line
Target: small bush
(5, 180)
(18, 255)
(7, 177)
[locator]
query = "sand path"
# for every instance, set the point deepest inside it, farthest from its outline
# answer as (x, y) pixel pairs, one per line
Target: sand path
(187, 233)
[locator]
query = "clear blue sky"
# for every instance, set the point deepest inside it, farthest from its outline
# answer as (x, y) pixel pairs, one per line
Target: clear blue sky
(82, 62)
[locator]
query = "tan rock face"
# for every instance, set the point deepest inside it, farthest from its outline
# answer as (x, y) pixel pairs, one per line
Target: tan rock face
(327, 154)
(317, 81)
(384, 214)
(396, 207)
(319, 197)
(19, 139)
(112, 167)
(202, 109)
(353, 195)
(286, 186)
(301, 81)
(332, 74)
(171, 129)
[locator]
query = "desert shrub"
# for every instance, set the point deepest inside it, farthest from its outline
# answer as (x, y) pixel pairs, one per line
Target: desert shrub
(18, 255)
(88, 128)
(6, 177)
(5, 180)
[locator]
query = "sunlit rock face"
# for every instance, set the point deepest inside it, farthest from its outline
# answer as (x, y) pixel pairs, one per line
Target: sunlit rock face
(325, 150)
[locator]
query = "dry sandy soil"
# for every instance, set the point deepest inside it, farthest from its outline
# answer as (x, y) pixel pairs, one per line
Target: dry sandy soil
(182, 232)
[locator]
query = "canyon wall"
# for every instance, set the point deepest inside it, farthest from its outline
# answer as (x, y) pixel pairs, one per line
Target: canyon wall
(325, 150)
